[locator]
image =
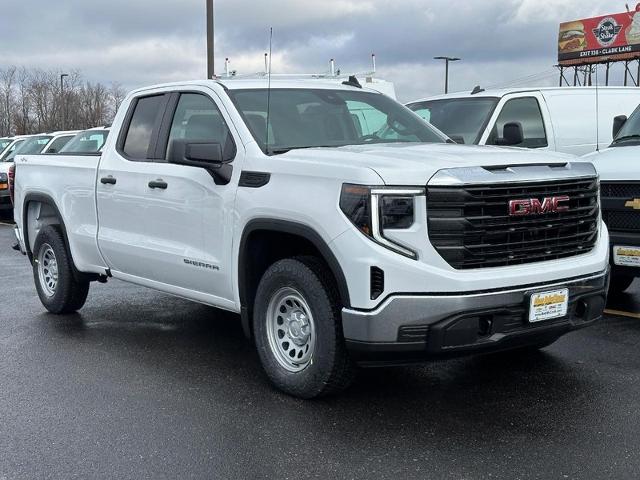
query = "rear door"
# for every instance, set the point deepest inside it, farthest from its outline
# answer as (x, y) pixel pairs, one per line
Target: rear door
(162, 224)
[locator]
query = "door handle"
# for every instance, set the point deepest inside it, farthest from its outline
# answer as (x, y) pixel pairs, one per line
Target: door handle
(108, 180)
(158, 184)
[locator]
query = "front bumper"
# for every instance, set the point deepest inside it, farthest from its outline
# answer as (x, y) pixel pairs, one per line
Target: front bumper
(628, 239)
(5, 200)
(414, 327)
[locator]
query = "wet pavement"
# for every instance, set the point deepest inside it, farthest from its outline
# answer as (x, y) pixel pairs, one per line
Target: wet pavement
(144, 385)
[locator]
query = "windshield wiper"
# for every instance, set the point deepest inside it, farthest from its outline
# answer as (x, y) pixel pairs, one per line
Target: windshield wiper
(627, 137)
(280, 150)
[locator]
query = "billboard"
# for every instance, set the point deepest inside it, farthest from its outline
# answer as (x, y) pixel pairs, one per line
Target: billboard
(600, 39)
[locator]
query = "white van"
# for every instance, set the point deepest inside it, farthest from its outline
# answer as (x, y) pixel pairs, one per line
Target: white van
(560, 119)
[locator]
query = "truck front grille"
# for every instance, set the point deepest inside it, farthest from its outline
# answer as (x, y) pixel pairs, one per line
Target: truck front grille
(471, 227)
(621, 206)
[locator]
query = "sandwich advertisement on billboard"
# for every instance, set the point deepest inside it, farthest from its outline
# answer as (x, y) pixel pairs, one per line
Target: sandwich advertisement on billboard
(599, 39)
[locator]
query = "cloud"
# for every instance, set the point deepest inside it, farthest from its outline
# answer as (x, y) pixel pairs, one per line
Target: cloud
(150, 41)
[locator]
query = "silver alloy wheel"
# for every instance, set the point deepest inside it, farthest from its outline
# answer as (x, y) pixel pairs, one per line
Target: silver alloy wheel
(290, 329)
(47, 270)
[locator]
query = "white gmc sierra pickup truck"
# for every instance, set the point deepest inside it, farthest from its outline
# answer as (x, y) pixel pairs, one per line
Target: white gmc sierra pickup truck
(343, 228)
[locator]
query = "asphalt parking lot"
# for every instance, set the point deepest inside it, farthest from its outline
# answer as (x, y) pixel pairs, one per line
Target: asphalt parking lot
(143, 385)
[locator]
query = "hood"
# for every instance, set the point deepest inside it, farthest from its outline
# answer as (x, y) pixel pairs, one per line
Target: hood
(415, 164)
(617, 163)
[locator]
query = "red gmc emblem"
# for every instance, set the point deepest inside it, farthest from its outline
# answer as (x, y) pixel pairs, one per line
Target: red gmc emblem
(533, 206)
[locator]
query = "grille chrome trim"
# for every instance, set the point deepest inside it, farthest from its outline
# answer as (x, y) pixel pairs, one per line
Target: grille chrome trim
(512, 174)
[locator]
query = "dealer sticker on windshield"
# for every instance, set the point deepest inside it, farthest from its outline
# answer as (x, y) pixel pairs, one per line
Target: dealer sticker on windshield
(627, 256)
(548, 305)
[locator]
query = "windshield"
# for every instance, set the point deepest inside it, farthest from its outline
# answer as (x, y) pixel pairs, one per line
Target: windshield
(462, 119)
(10, 149)
(89, 141)
(305, 118)
(30, 146)
(4, 143)
(630, 132)
(55, 145)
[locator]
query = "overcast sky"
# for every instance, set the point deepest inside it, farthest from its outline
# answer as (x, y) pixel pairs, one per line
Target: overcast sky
(139, 42)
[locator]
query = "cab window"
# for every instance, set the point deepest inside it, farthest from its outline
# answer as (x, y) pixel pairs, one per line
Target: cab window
(525, 111)
(139, 136)
(197, 118)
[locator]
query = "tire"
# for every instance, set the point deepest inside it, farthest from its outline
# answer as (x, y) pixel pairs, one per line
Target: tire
(57, 288)
(619, 283)
(298, 329)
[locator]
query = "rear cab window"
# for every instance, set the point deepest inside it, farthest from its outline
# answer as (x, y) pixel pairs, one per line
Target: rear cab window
(145, 116)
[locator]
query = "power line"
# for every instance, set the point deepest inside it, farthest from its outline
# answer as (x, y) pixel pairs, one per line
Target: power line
(527, 78)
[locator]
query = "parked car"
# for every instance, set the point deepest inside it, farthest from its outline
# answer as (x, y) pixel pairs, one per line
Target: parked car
(560, 119)
(4, 143)
(337, 245)
(58, 140)
(25, 144)
(17, 141)
(32, 145)
(619, 171)
(88, 141)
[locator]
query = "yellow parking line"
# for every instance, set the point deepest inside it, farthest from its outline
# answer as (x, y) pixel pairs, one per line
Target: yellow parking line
(622, 313)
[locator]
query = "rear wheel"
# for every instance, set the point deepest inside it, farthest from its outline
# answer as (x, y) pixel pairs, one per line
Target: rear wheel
(57, 288)
(619, 283)
(298, 330)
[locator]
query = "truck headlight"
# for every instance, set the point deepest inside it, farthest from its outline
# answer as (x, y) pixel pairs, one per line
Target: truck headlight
(376, 209)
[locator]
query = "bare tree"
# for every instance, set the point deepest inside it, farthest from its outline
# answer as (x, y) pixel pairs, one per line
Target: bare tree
(117, 94)
(33, 101)
(22, 117)
(7, 78)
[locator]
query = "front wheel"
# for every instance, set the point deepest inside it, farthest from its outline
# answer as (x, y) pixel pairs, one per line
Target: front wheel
(298, 329)
(57, 288)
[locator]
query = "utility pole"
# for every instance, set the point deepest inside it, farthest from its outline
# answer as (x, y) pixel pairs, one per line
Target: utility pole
(210, 40)
(62, 102)
(446, 70)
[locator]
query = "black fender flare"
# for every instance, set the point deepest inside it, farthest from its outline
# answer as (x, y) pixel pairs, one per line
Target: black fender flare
(49, 201)
(293, 228)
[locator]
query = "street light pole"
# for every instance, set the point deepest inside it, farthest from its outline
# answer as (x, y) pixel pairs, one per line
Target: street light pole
(62, 103)
(446, 70)
(210, 40)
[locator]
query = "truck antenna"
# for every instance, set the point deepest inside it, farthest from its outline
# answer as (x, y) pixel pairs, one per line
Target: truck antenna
(597, 116)
(266, 142)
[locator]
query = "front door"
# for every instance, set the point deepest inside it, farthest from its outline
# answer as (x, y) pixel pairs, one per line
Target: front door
(525, 110)
(163, 224)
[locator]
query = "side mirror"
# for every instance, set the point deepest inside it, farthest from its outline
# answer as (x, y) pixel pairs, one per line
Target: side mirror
(512, 133)
(195, 153)
(618, 123)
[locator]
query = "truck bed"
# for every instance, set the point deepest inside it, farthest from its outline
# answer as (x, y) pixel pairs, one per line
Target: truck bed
(69, 180)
